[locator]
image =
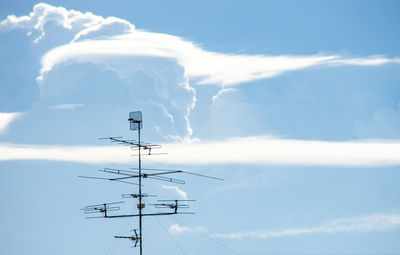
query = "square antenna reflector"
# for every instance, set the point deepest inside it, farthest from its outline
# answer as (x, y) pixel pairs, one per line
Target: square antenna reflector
(135, 119)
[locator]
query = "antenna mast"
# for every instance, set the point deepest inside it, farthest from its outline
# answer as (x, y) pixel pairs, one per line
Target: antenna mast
(136, 123)
(135, 118)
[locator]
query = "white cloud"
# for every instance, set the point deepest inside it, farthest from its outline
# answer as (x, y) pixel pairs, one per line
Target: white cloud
(105, 28)
(369, 61)
(206, 67)
(164, 111)
(222, 91)
(180, 192)
(272, 151)
(6, 118)
(82, 154)
(67, 106)
(359, 224)
(97, 39)
(176, 229)
(77, 22)
(113, 37)
(246, 150)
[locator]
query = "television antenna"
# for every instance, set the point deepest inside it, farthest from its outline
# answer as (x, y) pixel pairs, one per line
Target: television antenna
(134, 238)
(106, 210)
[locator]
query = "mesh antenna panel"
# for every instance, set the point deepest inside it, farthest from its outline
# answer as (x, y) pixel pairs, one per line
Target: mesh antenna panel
(135, 119)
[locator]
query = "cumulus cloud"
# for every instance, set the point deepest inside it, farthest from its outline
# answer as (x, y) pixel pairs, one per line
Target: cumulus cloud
(6, 118)
(245, 150)
(359, 224)
(83, 24)
(107, 40)
(104, 28)
(105, 37)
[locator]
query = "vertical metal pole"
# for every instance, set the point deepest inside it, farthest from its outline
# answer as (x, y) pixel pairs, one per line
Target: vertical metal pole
(140, 193)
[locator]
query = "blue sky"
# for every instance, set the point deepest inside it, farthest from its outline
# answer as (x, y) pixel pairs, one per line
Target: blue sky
(295, 104)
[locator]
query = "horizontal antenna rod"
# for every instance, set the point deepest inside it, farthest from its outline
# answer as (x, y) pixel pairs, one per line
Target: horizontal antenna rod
(108, 179)
(149, 214)
(180, 171)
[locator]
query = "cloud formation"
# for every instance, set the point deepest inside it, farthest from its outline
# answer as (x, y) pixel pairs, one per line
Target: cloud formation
(81, 154)
(273, 151)
(203, 66)
(359, 224)
(180, 192)
(6, 118)
(245, 150)
(222, 91)
(96, 38)
(176, 229)
(118, 46)
(81, 24)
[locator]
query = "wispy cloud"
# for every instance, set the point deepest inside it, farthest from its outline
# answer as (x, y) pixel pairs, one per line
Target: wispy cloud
(368, 61)
(359, 224)
(6, 118)
(67, 106)
(222, 91)
(176, 229)
(180, 192)
(164, 111)
(257, 150)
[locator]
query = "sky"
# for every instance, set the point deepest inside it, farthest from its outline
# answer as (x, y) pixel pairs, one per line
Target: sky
(295, 104)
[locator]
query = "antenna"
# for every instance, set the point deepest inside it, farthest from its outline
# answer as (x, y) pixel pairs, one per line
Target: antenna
(134, 238)
(166, 207)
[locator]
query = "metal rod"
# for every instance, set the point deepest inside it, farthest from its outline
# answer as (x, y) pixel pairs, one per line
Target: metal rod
(136, 215)
(140, 195)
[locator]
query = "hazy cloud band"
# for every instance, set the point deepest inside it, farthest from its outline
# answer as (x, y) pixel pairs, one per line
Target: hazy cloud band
(246, 150)
(359, 224)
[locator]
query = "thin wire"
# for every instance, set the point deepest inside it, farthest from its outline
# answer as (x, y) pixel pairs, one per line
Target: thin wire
(115, 244)
(208, 237)
(173, 239)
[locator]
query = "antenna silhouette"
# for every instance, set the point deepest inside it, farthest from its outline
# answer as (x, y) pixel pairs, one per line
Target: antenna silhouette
(107, 210)
(134, 238)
